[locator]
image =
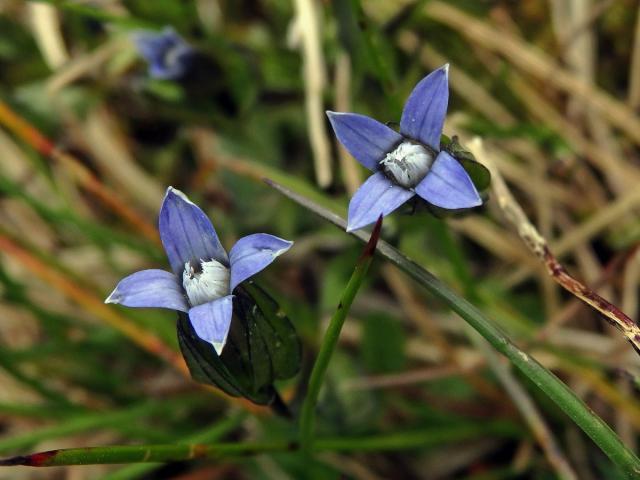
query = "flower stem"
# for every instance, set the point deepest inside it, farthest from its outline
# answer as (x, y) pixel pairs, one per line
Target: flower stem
(209, 435)
(396, 441)
(330, 340)
(555, 389)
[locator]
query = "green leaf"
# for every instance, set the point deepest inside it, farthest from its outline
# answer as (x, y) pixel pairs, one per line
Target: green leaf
(480, 175)
(553, 387)
(246, 355)
(262, 346)
(204, 364)
(280, 337)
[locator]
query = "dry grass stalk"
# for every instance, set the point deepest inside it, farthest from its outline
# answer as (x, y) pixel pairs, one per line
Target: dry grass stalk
(308, 29)
(81, 174)
(536, 63)
(538, 246)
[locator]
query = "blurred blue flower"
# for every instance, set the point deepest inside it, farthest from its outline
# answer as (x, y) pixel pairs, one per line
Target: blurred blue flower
(203, 277)
(405, 163)
(167, 54)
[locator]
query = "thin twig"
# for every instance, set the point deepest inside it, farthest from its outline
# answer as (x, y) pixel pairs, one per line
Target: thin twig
(539, 247)
(410, 377)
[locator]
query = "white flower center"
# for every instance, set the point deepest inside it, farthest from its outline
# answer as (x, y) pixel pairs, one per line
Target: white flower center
(205, 281)
(408, 164)
(172, 55)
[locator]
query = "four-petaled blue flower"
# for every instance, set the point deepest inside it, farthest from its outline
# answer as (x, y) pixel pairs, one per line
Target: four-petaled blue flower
(203, 277)
(167, 54)
(405, 163)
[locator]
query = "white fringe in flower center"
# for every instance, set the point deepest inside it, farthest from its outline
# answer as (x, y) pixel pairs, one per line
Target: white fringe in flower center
(408, 164)
(205, 281)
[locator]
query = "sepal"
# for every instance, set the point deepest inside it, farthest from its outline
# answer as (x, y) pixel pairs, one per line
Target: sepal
(262, 347)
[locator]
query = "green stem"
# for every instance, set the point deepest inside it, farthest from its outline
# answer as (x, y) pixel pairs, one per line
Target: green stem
(433, 437)
(209, 435)
(557, 391)
(142, 454)
(420, 438)
(330, 340)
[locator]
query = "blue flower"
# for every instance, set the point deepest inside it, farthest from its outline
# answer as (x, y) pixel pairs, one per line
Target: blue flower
(167, 54)
(204, 276)
(405, 163)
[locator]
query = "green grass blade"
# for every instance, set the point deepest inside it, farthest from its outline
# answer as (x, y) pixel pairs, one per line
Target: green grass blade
(402, 440)
(555, 389)
(330, 340)
(208, 435)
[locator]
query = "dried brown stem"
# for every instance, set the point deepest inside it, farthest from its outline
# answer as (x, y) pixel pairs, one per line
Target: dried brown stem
(538, 245)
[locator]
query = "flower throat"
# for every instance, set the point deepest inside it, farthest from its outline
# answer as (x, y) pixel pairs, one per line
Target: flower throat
(407, 164)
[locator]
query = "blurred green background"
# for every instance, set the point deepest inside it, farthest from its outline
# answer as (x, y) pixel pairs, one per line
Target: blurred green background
(89, 142)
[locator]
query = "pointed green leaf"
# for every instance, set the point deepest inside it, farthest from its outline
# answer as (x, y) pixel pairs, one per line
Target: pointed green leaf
(480, 175)
(280, 337)
(204, 364)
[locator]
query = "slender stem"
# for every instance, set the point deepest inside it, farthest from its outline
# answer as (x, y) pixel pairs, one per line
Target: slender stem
(330, 340)
(403, 440)
(210, 435)
(557, 391)
(502, 370)
(142, 454)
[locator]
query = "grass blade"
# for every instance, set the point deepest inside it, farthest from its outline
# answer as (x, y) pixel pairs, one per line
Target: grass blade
(330, 340)
(555, 389)
(396, 441)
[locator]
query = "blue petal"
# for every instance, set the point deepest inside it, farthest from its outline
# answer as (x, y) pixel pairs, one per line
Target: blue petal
(377, 196)
(150, 46)
(365, 138)
(448, 185)
(187, 233)
(253, 253)
(426, 107)
(153, 45)
(150, 288)
(212, 320)
(167, 53)
(163, 71)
